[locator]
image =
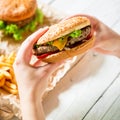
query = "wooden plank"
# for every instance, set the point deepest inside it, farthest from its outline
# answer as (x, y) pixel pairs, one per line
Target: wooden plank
(79, 90)
(114, 111)
(108, 106)
(105, 10)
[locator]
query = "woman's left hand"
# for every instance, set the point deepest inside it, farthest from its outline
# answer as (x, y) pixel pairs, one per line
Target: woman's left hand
(32, 79)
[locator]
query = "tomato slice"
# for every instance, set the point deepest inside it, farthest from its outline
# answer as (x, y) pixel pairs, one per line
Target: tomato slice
(91, 34)
(43, 55)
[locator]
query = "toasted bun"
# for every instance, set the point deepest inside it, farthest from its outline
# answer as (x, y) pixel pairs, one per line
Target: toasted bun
(63, 28)
(70, 53)
(16, 10)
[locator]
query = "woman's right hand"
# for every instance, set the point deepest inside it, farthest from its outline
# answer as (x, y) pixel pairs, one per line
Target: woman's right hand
(107, 41)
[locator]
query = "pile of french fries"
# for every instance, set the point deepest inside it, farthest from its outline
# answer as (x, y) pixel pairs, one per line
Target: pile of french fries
(7, 76)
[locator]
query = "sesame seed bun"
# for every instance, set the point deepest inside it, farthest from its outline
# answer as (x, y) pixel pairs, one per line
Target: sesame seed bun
(63, 28)
(17, 10)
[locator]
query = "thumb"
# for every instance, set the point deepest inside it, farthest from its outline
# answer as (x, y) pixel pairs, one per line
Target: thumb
(48, 69)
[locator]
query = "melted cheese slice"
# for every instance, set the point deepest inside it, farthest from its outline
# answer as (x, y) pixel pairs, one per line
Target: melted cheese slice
(60, 43)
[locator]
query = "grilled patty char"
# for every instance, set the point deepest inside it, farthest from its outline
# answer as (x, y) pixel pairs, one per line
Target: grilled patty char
(72, 42)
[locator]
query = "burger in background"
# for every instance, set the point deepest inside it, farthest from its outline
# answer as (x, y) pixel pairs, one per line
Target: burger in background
(18, 17)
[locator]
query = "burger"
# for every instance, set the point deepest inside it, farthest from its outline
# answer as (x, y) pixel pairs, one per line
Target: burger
(18, 17)
(65, 39)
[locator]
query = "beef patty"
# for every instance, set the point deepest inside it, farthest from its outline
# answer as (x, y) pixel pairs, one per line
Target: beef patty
(22, 22)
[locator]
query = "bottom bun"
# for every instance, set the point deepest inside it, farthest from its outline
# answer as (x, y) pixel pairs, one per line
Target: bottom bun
(70, 53)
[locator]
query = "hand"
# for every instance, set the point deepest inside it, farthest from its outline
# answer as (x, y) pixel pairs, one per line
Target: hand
(31, 79)
(107, 41)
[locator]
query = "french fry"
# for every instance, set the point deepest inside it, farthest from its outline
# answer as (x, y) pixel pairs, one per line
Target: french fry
(12, 91)
(1, 76)
(2, 58)
(2, 82)
(13, 80)
(11, 58)
(5, 64)
(11, 85)
(5, 68)
(6, 74)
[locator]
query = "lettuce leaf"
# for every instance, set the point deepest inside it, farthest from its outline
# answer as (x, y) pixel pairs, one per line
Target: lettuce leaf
(76, 33)
(16, 32)
(2, 25)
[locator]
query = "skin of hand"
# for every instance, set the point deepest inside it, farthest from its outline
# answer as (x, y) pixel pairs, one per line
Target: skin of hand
(107, 41)
(32, 80)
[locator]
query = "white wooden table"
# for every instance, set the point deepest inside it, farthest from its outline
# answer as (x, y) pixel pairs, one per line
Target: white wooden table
(91, 89)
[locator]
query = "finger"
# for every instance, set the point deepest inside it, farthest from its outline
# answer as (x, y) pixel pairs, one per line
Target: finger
(102, 51)
(50, 68)
(25, 51)
(39, 63)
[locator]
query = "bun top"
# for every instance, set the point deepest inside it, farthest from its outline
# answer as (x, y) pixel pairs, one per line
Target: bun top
(63, 28)
(16, 10)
